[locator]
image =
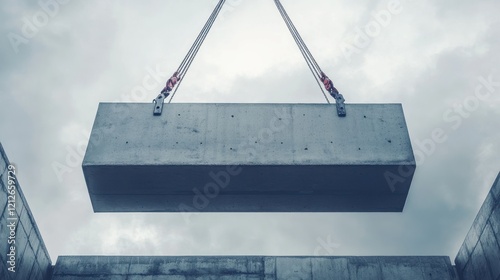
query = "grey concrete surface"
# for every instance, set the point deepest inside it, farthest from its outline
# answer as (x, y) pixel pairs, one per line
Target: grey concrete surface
(254, 267)
(30, 258)
(479, 256)
(249, 158)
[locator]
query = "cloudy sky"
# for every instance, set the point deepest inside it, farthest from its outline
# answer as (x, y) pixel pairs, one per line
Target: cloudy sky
(440, 59)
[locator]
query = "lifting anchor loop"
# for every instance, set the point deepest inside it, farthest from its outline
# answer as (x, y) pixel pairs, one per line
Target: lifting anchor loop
(339, 101)
(158, 102)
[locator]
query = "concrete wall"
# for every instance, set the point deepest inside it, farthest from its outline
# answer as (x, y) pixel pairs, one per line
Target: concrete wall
(479, 256)
(32, 260)
(254, 267)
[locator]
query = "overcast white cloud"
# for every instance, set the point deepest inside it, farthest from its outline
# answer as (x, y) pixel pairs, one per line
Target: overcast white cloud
(428, 56)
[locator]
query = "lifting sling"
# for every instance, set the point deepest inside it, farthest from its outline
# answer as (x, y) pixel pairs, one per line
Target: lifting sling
(188, 59)
(318, 74)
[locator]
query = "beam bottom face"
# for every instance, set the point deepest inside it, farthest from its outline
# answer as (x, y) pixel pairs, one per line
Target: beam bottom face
(248, 158)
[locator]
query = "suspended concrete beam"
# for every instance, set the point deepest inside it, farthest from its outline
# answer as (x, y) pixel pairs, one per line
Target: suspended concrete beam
(249, 158)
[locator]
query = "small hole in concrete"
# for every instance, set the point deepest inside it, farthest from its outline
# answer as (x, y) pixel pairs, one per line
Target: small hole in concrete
(359, 149)
(201, 143)
(255, 142)
(179, 115)
(126, 142)
(281, 143)
(176, 142)
(306, 149)
(232, 116)
(389, 141)
(157, 107)
(279, 119)
(364, 117)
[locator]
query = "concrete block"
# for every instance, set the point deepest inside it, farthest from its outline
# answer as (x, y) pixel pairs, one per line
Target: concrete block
(25, 220)
(299, 268)
(395, 268)
(42, 254)
(20, 200)
(276, 157)
(433, 268)
(151, 277)
(365, 268)
(34, 239)
(197, 265)
(480, 264)
(484, 213)
(324, 268)
(4, 161)
(34, 269)
(156, 277)
(269, 266)
(3, 198)
(144, 266)
(4, 224)
(3, 270)
(101, 277)
(94, 265)
(23, 272)
(491, 250)
(468, 273)
(3, 245)
(36, 274)
(230, 277)
(22, 244)
(495, 222)
(462, 258)
(472, 238)
(44, 261)
(495, 189)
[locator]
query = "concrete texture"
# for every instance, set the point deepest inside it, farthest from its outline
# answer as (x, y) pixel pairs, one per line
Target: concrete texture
(254, 267)
(32, 260)
(248, 158)
(479, 256)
